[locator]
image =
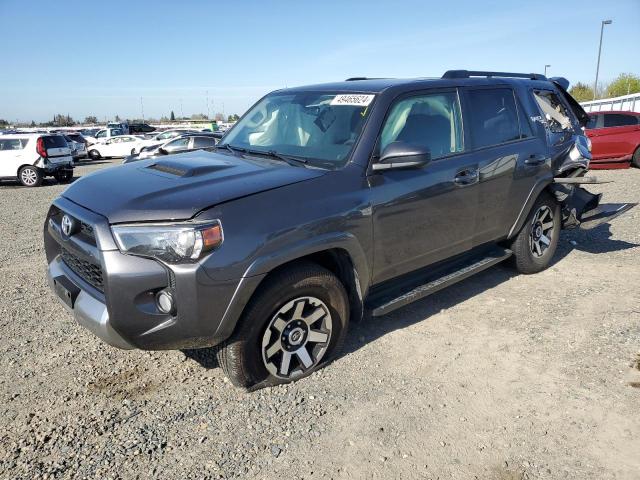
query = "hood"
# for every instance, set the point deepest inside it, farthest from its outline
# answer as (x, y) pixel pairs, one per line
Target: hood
(178, 187)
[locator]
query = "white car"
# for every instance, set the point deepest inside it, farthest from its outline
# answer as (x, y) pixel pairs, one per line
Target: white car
(119, 146)
(159, 139)
(104, 134)
(31, 157)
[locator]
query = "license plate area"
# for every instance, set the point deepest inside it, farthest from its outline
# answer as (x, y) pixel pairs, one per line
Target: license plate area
(66, 290)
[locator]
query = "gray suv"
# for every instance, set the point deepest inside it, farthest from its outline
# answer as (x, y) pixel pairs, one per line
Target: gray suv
(322, 205)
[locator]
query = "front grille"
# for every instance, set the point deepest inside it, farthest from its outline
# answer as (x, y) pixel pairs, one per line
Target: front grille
(87, 231)
(88, 271)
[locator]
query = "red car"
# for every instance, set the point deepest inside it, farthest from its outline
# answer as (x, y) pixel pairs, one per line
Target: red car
(615, 137)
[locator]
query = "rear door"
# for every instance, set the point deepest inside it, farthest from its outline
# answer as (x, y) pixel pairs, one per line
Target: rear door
(11, 155)
(618, 137)
(511, 159)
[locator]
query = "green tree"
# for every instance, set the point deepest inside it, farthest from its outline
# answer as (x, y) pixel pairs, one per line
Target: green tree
(90, 119)
(173, 116)
(624, 84)
(3, 123)
(233, 118)
(581, 92)
(198, 116)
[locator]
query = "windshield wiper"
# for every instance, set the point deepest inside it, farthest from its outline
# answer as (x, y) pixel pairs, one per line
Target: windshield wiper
(231, 148)
(286, 158)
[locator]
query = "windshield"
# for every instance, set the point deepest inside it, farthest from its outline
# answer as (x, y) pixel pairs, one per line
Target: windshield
(319, 127)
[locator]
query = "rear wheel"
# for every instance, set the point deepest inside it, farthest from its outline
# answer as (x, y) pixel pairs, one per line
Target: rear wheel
(636, 158)
(295, 324)
(94, 154)
(30, 176)
(536, 243)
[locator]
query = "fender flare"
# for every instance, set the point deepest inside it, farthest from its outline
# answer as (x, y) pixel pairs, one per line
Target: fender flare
(258, 270)
(535, 192)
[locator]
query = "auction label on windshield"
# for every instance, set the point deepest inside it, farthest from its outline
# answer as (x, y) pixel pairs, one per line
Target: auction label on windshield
(352, 99)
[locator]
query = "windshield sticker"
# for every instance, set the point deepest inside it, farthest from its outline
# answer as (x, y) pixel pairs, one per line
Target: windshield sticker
(353, 100)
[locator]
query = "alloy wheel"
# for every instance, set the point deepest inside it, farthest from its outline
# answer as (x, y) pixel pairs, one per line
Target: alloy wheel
(297, 337)
(29, 176)
(541, 231)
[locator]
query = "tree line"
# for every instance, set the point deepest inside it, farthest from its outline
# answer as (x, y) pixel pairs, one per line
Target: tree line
(61, 120)
(623, 84)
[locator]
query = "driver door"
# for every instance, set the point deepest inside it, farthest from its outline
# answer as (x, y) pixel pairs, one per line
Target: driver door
(424, 215)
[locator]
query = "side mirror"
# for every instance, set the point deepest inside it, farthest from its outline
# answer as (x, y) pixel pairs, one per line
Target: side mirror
(162, 151)
(403, 155)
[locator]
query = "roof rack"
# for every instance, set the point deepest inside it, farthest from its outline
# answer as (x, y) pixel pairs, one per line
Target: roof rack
(474, 73)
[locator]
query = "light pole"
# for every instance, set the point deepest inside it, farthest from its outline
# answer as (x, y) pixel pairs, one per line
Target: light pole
(595, 85)
(545, 69)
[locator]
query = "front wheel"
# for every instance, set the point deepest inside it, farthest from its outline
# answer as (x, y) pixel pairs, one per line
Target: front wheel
(294, 325)
(536, 243)
(30, 176)
(94, 154)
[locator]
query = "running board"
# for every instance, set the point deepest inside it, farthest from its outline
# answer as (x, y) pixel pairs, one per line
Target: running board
(432, 283)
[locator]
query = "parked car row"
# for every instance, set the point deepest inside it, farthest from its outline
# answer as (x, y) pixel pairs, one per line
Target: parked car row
(615, 138)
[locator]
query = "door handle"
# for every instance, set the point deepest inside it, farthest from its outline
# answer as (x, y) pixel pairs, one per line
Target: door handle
(467, 176)
(535, 159)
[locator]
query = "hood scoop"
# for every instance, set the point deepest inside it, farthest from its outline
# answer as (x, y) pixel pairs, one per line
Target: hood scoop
(179, 169)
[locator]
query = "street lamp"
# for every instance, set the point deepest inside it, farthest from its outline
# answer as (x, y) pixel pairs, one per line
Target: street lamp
(545, 69)
(595, 85)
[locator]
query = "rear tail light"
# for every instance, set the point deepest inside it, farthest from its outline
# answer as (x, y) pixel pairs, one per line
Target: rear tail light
(40, 148)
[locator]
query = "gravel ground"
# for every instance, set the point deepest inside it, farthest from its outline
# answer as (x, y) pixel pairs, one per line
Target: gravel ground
(502, 376)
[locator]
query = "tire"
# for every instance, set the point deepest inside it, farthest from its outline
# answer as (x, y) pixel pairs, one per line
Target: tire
(64, 177)
(635, 161)
(531, 252)
(133, 151)
(30, 176)
(304, 307)
(94, 154)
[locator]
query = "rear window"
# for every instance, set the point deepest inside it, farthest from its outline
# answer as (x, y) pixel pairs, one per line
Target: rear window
(203, 142)
(12, 143)
(493, 117)
(619, 120)
(76, 138)
(54, 141)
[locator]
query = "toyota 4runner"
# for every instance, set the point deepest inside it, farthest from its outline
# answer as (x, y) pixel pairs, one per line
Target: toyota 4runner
(323, 204)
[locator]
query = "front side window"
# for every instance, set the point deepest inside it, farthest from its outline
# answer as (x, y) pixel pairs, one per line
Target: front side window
(321, 127)
(554, 111)
(619, 120)
(432, 121)
(492, 117)
(101, 134)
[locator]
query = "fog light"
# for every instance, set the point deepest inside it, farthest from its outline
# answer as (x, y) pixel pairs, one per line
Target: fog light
(164, 301)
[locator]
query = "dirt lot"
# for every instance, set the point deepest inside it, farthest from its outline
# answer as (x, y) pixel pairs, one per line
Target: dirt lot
(502, 376)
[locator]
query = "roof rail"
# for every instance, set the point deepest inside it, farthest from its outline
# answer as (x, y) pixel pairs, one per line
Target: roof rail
(353, 79)
(474, 73)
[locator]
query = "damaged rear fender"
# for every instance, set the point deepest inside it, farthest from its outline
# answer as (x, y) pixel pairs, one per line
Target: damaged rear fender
(581, 208)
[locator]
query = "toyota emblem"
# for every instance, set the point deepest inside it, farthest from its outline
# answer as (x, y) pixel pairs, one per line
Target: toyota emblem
(67, 225)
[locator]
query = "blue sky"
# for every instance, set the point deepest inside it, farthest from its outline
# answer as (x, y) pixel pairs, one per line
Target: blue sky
(99, 58)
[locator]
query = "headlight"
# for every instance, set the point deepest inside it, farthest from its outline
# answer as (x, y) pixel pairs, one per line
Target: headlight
(171, 243)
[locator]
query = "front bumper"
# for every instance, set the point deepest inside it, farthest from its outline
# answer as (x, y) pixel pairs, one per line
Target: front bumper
(87, 311)
(114, 294)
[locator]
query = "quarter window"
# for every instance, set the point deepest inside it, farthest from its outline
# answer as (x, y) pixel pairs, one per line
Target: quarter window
(492, 117)
(554, 111)
(11, 144)
(433, 121)
(619, 120)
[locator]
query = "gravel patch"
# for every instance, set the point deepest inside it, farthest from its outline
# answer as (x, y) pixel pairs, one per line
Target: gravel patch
(502, 376)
